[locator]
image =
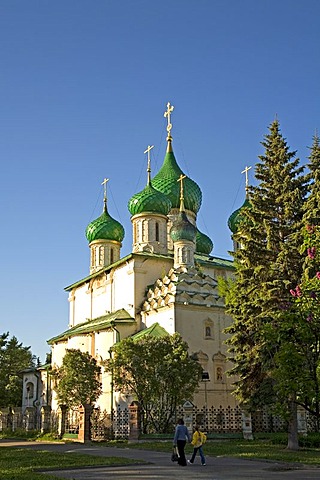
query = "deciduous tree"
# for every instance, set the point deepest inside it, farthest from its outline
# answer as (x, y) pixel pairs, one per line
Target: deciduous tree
(14, 358)
(159, 372)
(77, 380)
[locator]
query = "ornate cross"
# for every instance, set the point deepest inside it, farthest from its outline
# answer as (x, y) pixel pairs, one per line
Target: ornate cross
(167, 114)
(180, 179)
(104, 183)
(246, 170)
(150, 147)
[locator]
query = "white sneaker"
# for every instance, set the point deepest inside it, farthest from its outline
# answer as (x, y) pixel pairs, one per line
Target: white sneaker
(203, 464)
(191, 463)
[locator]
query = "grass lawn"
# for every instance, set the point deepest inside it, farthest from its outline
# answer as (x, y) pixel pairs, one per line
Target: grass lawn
(20, 463)
(249, 449)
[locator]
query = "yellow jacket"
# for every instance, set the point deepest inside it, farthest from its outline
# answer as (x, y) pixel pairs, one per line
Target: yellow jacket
(198, 439)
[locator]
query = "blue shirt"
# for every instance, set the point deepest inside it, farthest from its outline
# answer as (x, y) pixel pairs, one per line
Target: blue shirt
(181, 433)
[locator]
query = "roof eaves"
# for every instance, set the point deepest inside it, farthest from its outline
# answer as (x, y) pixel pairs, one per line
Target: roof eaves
(100, 323)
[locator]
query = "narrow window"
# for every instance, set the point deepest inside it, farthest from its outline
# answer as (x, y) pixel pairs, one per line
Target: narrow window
(111, 255)
(157, 232)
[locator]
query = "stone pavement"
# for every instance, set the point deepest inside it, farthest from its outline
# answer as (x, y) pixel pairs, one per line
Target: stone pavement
(161, 467)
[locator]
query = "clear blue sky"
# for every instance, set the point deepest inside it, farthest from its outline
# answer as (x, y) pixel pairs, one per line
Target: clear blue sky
(83, 88)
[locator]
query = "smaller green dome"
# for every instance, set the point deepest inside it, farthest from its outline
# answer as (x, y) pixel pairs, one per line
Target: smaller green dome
(149, 200)
(105, 228)
(237, 217)
(204, 244)
(182, 229)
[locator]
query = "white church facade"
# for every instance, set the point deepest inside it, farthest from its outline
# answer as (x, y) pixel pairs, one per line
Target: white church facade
(169, 280)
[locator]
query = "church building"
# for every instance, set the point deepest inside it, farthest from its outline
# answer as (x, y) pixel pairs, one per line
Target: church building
(167, 284)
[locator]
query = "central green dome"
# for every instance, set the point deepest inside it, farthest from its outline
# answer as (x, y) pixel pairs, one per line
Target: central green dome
(149, 200)
(105, 228)
(166, 181)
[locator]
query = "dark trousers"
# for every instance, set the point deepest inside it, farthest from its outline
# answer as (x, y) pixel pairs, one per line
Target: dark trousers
(182, 458)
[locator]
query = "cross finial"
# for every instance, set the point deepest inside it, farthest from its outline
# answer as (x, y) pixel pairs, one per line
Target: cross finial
(104, 183)
(180, 179)
(150, 147)
(167, 114)
(245, 171)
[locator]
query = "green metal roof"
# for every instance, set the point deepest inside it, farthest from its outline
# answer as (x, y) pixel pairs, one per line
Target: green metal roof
(166, 182)
(149, 200)
(204, 244)
(215, 261)
(105, 228)
(154, 331)
(97, 324)
(182, 229)
(237, 217)
(200, 257)
(115, 264)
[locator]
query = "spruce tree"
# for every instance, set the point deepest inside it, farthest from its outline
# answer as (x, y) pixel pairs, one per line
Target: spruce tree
(267, 265)
(312, 205)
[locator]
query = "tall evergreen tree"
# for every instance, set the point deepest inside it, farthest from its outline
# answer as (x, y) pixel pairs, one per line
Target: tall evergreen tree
(312, 205)
(267, 265)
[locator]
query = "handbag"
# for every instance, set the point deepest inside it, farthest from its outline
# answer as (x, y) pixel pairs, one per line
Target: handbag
(174, 455)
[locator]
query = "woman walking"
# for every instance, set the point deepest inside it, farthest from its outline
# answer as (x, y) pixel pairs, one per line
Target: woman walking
(181, 436)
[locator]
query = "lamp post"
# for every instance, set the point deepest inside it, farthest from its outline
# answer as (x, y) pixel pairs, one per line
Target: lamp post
(205, 379)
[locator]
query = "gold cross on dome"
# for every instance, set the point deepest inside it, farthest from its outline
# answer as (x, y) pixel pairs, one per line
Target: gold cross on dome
(246, 170)
(167, 114)
(150, 147)
(180, 179)
(104, 183)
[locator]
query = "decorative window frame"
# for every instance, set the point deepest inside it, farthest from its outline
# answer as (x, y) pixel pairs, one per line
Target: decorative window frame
(208, 329)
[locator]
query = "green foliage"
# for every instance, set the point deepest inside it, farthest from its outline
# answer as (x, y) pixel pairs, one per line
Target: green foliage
(77, 380)
(298, 357)
(267, 265)
(159, 372)
(14, 358)
(312, 204)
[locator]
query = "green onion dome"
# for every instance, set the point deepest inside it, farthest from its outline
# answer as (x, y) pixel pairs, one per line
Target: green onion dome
(105, 228)
(237, 217)
(204, 244)
(182, 229)
(166, 181)
(149, 200)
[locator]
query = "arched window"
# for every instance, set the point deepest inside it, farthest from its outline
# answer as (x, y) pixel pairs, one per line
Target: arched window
(208, 329)
(30, 390)
(157, 232)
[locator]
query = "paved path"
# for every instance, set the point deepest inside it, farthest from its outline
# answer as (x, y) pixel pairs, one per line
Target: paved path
(161, 467)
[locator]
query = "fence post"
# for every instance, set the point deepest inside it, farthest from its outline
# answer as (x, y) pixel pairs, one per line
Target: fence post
(134, 421)
(62, 414)
(84, 434)
(45, 418)
(246, 425)
(188, 415)
(30, 418)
